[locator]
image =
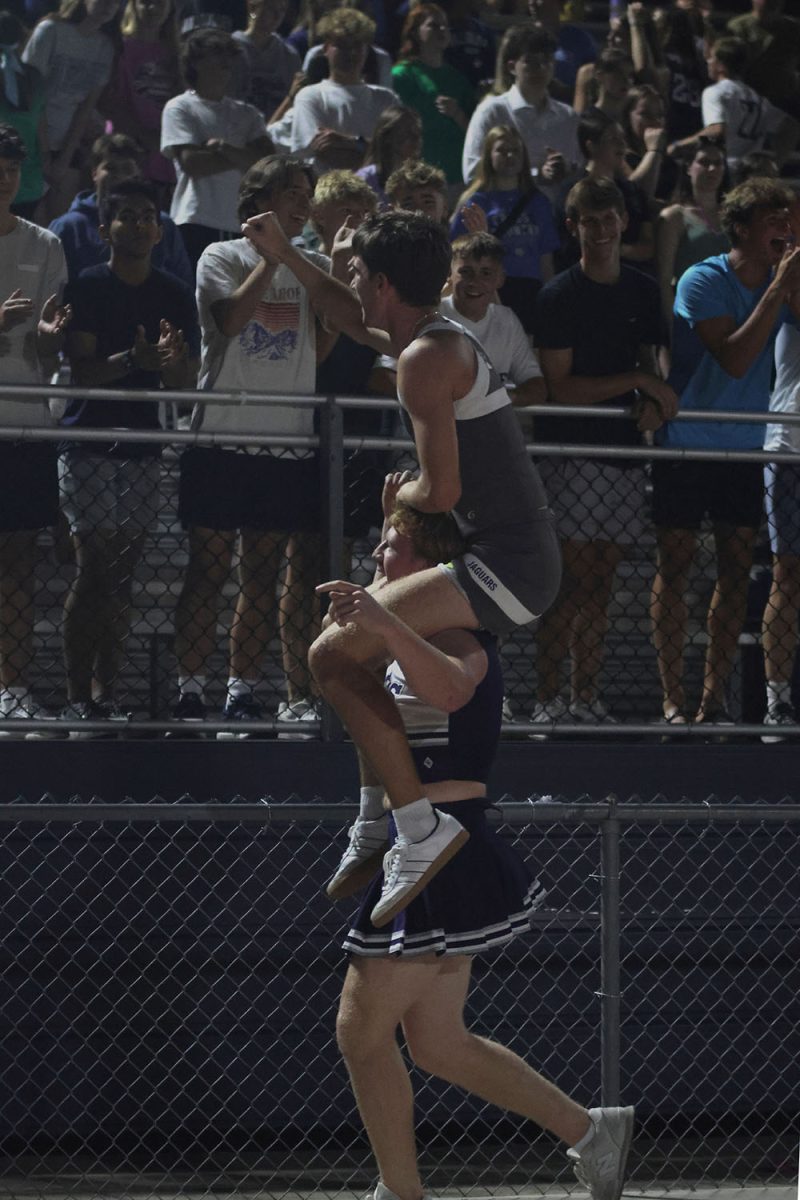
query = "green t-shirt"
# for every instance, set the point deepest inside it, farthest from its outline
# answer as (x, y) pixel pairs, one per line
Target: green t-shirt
(442, 139)
(26, 122)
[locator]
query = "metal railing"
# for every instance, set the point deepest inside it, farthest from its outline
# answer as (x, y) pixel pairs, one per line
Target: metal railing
(350, 470)
(171, 974)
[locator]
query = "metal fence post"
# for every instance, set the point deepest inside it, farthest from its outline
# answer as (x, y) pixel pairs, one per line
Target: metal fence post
(610, 994)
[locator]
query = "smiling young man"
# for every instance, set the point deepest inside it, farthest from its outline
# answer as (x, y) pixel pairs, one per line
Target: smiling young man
(261, 333)
(472, 460)
(476, 275)
(598, 327)
(728, 310)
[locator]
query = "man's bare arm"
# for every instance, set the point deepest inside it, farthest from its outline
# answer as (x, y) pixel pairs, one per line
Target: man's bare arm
(736, 348)
(332, 301)
(426, 373)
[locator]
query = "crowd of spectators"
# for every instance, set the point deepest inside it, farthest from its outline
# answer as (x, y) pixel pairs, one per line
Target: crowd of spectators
(621, 203)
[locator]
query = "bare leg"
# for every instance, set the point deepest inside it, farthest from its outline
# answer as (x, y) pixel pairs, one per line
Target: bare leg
(342, 662)
(594, 565)
(254, 622)
(779, 627)
(17, 583)
(727, 610)
(123, 555)
(440, 1044)
(668, 611)
(210, 554)
(299, 619)
(552, 634)
(88, 611)
(428, 997)
(376, 994)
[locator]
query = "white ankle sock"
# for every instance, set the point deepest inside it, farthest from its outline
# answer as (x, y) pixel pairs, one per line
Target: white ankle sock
(778, 693)
(242, 687)
(10, 698)
(586, 1139)
(371, 803)
(415, 821)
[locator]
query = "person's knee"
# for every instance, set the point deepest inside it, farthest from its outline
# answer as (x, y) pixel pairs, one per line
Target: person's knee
(208, 567)
(326, 660)
(358, 1034)
(435, 1050)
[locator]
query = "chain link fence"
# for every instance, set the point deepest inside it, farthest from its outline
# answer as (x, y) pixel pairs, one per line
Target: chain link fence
(171, 974)
(147, 591)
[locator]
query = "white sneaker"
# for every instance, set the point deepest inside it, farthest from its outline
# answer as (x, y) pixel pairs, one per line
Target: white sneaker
(361, 859)
(548, 713)
(408, 866)
(601, 1165)
(296, 716)
(781, 714)
(27, 709)
(590, 712)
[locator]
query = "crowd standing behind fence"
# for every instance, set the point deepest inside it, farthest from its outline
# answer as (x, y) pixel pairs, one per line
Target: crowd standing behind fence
(544, 71)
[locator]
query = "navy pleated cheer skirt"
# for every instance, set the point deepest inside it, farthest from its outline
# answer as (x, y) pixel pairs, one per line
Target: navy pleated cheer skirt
(481, 898)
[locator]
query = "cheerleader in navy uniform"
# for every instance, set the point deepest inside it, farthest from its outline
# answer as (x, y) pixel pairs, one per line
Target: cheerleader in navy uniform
(415, 971)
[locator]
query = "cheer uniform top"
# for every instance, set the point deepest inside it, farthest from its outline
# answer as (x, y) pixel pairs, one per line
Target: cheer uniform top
(511, 571)
(485, 895)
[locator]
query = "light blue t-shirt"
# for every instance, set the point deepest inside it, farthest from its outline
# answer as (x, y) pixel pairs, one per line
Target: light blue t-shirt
(712, 289)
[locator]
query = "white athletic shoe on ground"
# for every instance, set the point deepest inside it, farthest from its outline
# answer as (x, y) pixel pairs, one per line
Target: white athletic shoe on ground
(409, 866)
(382, 1193)
(601, 1165)
(361, 859)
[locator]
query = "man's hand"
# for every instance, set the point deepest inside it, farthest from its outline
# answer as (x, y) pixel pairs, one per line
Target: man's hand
(342, 251)
(16, 310)
(54, 317)
(326, 140)
(655, 139)
(553, 169)
(474, 218)
(658, 403)
(351, 604)
(391, 486)
(151, 356)
(171, 346)
(787, 272)
(265, 232)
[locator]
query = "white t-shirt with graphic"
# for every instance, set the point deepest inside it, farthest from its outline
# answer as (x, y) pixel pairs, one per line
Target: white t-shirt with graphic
(748, 118)
(275, 352)
(189, 120)
(32, 260)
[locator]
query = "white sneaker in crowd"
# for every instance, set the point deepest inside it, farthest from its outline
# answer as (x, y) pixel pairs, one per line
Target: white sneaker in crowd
(23, 710)
(780, 714)
(601, 1165)
(548, 713)
(590, 712)
(297, 717)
